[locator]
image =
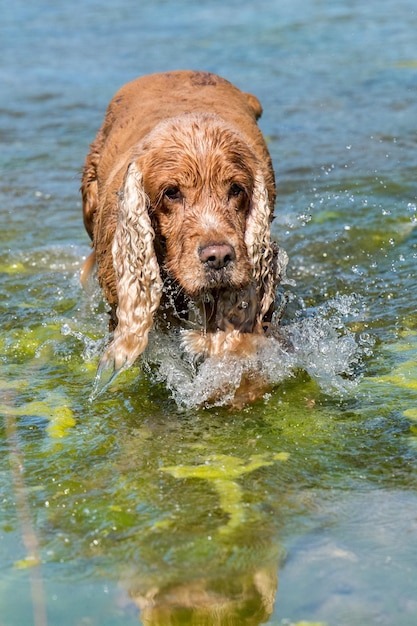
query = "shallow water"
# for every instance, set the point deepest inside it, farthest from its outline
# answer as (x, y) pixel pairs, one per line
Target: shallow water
(142, 506)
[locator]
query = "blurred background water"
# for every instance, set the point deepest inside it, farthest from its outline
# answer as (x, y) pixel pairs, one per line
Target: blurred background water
(132, 509)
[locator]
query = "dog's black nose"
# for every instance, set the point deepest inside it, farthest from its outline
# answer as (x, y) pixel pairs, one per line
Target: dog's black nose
(217, 256)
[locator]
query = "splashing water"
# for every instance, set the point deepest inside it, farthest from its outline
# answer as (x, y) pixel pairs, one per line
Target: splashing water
(319, 343)
(325, 348)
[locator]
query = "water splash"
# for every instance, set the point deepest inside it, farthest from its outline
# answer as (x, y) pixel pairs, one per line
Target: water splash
(317, 341)
(325, 347)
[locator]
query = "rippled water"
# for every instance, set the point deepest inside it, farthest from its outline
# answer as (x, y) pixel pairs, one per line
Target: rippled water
(143, 506)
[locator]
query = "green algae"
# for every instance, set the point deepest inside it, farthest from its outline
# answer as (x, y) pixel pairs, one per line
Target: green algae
(221, 472)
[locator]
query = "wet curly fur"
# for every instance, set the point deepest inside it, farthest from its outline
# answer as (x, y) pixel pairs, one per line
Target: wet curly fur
(178, 193)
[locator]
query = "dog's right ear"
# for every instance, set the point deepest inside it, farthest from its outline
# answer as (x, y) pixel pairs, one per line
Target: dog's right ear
(138, 281)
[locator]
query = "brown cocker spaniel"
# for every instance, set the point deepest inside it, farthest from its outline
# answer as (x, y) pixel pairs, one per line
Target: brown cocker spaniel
(178, 194)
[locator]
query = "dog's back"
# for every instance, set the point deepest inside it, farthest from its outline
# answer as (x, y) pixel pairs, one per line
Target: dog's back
(143, 103)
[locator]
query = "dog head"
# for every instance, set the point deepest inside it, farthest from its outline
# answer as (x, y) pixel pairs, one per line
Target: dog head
(199, 177)
(195, 183)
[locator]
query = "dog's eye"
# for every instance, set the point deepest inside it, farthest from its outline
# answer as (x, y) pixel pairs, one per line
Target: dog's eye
(235, 190)
(172, 193)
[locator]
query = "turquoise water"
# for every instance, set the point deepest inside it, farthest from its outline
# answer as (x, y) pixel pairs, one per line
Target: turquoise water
(143, 507)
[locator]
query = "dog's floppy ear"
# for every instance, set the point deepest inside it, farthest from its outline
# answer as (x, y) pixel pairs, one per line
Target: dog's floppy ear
(138, 281)
(260, 248)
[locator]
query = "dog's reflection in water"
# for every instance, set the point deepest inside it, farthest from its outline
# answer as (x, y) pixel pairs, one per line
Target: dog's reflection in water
(241, 600)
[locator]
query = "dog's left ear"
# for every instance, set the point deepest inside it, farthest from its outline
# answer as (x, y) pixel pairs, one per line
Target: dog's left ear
(138, 281)
(260, 248)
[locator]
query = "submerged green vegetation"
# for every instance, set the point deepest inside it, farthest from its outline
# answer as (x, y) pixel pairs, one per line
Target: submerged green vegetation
(132, 489)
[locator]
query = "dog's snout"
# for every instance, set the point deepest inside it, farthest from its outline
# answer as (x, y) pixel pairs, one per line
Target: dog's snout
(217, 256)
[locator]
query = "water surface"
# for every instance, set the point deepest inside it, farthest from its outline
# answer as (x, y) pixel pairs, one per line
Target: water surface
(143, 507)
